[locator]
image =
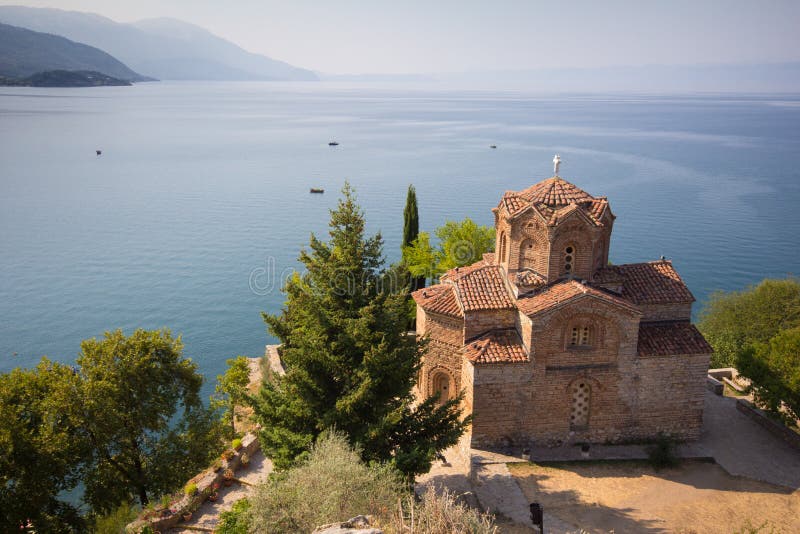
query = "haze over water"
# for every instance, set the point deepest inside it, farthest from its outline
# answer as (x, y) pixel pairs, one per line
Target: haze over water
(201, 187)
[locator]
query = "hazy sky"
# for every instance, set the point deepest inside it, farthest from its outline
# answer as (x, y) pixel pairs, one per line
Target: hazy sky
(357, 36)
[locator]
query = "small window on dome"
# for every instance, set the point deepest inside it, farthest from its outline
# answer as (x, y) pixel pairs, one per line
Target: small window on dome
(568, 259)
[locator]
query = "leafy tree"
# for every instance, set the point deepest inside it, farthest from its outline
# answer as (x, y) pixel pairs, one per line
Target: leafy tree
(460, 243)
(411, 230)
(42, 448)
(231, 391)
(733, 322)
(774, 369)
(140, 408)
(349, 363)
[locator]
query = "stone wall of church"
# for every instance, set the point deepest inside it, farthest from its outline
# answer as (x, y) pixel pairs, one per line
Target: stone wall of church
(446, 337)
(480, 322)
(671, 393)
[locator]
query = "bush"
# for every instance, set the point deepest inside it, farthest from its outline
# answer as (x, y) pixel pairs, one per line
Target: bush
(662, 454)
(190, 489)
(114, 522)
(332, 485)
(236, 520)
(236, 444)
(441, 514)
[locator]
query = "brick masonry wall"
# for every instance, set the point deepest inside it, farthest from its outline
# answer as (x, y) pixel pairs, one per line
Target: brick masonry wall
(666, 312)
(446, 337)
(479, 322)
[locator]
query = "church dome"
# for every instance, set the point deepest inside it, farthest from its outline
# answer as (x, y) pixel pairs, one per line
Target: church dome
(555, 192)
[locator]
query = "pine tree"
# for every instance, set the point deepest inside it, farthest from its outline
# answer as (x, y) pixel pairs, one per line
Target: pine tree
(349, 364)
(411, 230)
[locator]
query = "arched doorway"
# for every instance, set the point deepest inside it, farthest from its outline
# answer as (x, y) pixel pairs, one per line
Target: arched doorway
(441, 387)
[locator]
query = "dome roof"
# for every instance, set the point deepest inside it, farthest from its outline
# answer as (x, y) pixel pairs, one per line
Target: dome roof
(554, 198)
(555, 192)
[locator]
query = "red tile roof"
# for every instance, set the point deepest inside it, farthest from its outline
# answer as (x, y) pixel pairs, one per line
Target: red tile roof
(561, 292)
(482, 287)
(655, 282)
(554, 192)
(440, 298)
(555, 198)
(496, 346)
(665, 339)
(529, 278)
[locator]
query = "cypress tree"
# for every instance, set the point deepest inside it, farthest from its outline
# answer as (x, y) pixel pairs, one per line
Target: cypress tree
(411, 230)
(349, 364)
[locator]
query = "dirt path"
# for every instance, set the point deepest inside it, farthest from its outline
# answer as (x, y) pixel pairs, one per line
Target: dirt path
(632, 497)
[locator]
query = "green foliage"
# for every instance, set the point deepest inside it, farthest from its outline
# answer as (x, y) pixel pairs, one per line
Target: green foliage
(349, 363)
(236, 444)
(662, 453)
(293, 501)
(236, 520)
(114, 522)
(460, 244)
(139, 404)
(411, 230)
(41, 444)
(190, 488)
(231, 390)
(774, 369)
(733, 322)
(410, 217)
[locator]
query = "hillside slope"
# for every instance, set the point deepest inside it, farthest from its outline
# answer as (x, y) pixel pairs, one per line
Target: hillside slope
(24, 53)
(163, 48)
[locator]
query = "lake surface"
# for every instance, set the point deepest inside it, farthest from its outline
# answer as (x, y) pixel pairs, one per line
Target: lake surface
(199, 202)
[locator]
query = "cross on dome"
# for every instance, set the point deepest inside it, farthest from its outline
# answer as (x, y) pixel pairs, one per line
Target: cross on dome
(556, 164)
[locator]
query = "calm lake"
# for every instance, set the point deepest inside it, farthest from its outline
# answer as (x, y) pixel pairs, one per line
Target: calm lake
(200, 200)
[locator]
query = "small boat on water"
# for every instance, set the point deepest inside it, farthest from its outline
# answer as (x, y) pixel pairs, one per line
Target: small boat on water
(316, 190)
(333, 143)
(99, 152)
(492, 146)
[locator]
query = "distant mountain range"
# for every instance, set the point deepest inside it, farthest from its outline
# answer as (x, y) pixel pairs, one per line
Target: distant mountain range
(24, 53)
(166, 49)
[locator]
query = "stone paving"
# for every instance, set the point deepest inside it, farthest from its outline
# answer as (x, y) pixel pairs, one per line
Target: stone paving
(207, 517)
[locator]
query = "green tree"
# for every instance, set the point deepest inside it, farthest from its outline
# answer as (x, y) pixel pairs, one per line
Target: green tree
(139, 405)
(774, 369)
(733, 322)
(231, 391)
(411, 230)
(349, 363)
(460, 244)
(42, 449)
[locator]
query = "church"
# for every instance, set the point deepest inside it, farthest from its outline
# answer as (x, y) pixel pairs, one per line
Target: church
(551, 344)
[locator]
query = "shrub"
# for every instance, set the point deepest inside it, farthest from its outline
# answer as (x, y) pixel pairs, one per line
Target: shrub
(441, 514)
(190, 489)
(227, 454)
(235, 520)
(236, 444)
(292, 501)
(661, 454)
(115, 521)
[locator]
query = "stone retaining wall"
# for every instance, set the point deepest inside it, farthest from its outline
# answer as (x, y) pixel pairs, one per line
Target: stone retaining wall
(789, 436)
(204, 480)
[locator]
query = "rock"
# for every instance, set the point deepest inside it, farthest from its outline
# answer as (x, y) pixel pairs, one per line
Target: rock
(360, 524)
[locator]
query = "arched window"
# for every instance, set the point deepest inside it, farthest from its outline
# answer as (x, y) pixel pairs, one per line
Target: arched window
(569, 259)
(581, 400)
(441, 387)
(502, 257)
(581, 335)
